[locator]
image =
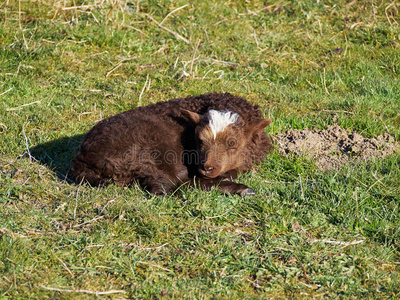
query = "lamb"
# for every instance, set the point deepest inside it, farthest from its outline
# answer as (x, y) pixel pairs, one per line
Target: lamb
(202, 141)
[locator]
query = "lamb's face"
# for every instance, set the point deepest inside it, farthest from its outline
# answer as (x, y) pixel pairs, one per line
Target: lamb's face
(222, 141)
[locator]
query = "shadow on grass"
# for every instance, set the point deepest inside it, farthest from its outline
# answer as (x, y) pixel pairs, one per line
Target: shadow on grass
(58, 154)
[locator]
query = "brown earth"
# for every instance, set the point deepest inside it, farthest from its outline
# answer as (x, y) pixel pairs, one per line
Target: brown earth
(334, 147)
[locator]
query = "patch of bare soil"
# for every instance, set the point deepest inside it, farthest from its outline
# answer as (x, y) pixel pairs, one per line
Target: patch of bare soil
(334, 147)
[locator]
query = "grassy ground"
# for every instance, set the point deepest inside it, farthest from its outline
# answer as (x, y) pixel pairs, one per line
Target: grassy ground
(306, 234)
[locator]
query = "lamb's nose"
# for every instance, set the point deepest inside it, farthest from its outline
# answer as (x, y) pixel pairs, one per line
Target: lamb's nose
(208, 169)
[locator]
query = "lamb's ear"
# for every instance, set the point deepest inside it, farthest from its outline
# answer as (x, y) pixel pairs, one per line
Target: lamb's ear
(255, 128)
(192, 116)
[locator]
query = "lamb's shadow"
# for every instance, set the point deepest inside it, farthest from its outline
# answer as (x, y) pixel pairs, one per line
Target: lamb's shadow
(58, 154)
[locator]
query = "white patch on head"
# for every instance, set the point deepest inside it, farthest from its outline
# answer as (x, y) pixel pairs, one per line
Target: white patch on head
(219, 120)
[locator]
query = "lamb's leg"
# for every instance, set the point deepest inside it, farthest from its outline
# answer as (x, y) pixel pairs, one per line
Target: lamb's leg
(161, 182)
(81, 172)
(235, 188)
(223, 185)
(160, 185)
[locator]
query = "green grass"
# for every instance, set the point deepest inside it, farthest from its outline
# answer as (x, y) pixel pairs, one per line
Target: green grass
(67, 67)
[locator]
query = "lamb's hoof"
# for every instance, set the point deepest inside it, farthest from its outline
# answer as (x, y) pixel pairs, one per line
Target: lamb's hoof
(247, 192)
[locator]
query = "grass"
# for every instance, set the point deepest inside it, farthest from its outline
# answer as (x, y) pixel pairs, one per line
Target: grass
(306, 234)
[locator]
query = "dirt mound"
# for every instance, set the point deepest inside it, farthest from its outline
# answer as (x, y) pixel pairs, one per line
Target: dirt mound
(334, 147)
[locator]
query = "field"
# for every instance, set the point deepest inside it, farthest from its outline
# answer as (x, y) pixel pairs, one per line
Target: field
(307, 233)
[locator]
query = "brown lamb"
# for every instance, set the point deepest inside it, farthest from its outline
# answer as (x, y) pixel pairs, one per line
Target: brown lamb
(202, 141)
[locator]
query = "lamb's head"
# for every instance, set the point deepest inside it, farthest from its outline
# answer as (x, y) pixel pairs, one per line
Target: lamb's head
(223, 141)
